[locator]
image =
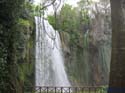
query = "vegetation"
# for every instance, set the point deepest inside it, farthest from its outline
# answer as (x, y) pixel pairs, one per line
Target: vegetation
(64, 19)
(15, 24)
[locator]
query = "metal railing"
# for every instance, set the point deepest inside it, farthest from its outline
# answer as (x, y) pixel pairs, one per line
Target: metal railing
(49, 89)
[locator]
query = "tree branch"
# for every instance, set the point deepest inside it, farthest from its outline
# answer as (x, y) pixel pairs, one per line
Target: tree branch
(48, 4)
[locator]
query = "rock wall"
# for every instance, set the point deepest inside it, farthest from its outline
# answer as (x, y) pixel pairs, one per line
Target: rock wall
(25, 53)
(88, 61)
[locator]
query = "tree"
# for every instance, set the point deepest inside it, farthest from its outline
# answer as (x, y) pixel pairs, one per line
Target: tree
(64, 23)
(117, 71)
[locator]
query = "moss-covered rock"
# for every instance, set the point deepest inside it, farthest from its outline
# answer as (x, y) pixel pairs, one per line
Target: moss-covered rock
(25, 58)
(17, 37)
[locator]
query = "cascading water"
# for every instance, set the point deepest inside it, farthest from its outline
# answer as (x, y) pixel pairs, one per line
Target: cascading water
(50, 70)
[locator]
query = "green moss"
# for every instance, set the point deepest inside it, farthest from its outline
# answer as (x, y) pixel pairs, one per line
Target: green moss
(21, 73)
(23, 22)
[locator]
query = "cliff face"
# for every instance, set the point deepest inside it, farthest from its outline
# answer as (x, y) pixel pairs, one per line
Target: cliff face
(18, 72)
(88, 61)
(25, 52)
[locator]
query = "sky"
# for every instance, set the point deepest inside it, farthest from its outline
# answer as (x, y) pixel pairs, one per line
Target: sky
(50, 9)
(70, 2)
(74, 2)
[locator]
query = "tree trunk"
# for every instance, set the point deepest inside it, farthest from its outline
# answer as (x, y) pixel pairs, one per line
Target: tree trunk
(117, 71)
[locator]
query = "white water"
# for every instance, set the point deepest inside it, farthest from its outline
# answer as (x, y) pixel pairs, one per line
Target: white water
(50, 70)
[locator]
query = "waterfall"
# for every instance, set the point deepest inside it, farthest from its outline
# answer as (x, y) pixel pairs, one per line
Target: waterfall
(50, 70)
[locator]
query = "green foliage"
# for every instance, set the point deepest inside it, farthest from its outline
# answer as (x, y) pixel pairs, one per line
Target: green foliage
(14, 14)
(29, 10)
(8, 11)
(68, 21)
(3, 67)
(24, 22)
(24, 43)
(38, 11)
(52, 21)
(74, 21)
